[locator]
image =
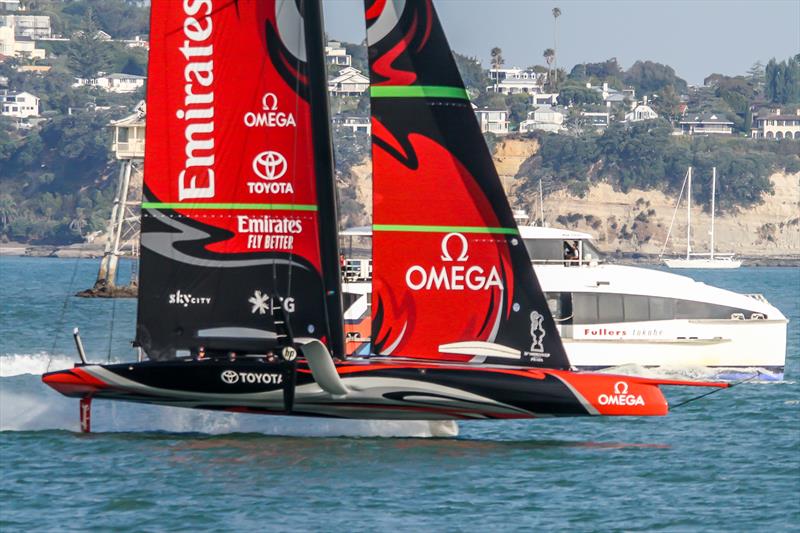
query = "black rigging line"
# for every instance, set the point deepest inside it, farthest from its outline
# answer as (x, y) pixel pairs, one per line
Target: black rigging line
(732, 385)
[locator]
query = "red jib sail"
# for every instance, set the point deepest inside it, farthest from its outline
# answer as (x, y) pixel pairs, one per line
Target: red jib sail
(452, 279)
(238, 213)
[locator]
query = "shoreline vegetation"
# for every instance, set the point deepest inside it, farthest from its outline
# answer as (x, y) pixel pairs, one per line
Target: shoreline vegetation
(58, 173)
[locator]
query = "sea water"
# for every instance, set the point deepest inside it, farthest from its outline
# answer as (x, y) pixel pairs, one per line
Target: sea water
(730, 461)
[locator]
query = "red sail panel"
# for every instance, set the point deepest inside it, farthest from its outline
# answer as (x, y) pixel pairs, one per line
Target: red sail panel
(451, 277)
(232, 214)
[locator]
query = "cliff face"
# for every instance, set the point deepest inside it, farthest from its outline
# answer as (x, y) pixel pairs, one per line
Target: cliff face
(638, 221)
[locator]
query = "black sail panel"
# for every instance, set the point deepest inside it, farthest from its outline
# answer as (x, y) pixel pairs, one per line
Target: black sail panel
(235, 208)
(452, 279)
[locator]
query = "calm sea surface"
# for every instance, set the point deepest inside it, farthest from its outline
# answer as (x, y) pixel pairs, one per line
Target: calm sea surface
(727, 462)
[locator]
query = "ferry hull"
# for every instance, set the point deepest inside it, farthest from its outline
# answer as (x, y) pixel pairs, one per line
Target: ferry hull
(383, 390)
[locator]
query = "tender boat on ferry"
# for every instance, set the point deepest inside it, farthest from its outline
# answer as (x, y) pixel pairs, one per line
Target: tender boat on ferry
(613, 315)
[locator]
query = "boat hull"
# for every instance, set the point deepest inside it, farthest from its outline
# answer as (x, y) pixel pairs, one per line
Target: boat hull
(703, 263)
(408, 390)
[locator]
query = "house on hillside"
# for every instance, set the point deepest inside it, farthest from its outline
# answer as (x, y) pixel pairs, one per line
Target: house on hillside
(7, 6)
(113, 83)
(353, 122)
(706, 124)
(515, 81)
(492, 120)
(18, 104)
(336, 55)
(544, 118)
(613, 97)
(13, 46)
(596, 119)
(641, 111)
(539, 99)
(32, 26)
(349, 82)
(776, 125)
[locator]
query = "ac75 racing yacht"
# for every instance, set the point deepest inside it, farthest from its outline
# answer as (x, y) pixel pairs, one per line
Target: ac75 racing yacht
(613, 315)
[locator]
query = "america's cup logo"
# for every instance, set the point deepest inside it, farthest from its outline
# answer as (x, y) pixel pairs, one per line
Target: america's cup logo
(537, 332)
(269, 165)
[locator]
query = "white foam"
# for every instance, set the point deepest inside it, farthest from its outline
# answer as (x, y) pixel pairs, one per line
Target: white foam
(696, 373)
(36, 364)
(26, 404)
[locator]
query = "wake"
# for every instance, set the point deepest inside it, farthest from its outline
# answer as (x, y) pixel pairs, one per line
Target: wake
(26, 404)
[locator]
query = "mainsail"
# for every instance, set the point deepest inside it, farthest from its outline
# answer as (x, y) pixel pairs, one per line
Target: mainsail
(239, 218)
(452, 279)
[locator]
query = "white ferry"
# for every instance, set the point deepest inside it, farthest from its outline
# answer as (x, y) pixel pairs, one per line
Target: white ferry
(614, 315)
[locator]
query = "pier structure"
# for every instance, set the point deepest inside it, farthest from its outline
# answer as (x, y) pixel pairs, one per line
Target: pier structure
(124, 223)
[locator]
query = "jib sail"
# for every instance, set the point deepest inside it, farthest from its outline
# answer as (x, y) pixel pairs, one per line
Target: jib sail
(452, 279)
(239, 214)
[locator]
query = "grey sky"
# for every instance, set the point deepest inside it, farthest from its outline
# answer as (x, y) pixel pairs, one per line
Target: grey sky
(695, 37)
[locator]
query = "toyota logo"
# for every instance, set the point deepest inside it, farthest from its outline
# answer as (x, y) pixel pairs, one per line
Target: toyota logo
(620, 387)
(230, 377)
(269, 165)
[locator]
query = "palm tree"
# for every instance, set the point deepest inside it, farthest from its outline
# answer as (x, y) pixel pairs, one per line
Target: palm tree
(549, 56)
(556, 14)
(497, 62)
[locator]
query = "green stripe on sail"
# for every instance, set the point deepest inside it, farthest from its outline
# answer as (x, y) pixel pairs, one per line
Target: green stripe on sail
(444, 229)
(228, 206)
(417, 91)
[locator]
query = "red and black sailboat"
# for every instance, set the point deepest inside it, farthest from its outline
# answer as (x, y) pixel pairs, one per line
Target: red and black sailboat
(239, 268)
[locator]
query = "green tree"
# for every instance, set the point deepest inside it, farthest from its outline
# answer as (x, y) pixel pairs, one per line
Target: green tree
(87, 54)
(497, 61)
(650, 77)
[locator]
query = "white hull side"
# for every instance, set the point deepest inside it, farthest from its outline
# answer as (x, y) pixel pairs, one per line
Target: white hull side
(705, 343)
(703, 263)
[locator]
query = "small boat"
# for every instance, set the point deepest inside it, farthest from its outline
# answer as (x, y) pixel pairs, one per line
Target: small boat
(240, 300)
(696, 259)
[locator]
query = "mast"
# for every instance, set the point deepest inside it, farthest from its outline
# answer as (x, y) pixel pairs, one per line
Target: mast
(541, 203)
(324, 166)
(689, 215)
(713, 202)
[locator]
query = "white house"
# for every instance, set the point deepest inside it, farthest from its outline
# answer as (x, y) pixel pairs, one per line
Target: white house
(349, 82)
(641, 112)
(611, 96)
(336, 54)
(492, 120)
(10, 5)
(353, 123)
(19, 104)
(545, 118)
(32, 26)
(706, 124)
(114, 83)
(13, 46)
(538, 99)
(775, 125)
(598, 119)
(514, 81)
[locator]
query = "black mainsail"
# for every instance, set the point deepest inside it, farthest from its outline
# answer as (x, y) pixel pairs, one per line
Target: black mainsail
(239, 212)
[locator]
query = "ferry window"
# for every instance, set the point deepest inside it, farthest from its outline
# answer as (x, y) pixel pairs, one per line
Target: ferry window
(688, 309)
(662, 308)
(560, 304)
(584, 306)
(545, 249)
(610, 308)
(637, 308)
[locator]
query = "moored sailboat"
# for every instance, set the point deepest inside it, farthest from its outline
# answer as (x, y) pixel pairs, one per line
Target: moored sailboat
(240, 302)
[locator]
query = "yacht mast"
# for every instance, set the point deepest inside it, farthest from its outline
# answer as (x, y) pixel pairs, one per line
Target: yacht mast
(689, 215)
(541, 203)
(713, 198)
